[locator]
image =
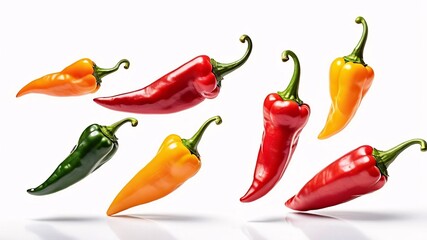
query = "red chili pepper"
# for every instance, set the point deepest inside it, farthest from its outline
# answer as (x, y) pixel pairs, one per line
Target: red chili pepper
(359, 172)
(285, 115)
(178, 90)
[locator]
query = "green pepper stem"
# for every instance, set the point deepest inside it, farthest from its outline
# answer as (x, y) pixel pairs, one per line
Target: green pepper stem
(110, 131)
(222, 69)
(385, 158)
(192, 142)
(357, 55)
(102, 72)
(291, 92)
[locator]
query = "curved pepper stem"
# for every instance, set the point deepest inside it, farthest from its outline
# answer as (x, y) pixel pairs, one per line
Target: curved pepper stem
(192, 143)
(385, 158)
(110, 131)
(222, 69)
(102, 72)
(357, 55)
(291, 92)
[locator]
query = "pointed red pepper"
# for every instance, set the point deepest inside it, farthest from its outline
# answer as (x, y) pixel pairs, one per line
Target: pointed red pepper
(183, 88)
(285, 115)
(359, 172)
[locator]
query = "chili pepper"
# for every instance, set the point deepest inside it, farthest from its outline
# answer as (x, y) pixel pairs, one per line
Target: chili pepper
(359, 172)
(97, 144)
(285, 115)
(349, 80)
(183, 88)
(176, 161)
(80, 78)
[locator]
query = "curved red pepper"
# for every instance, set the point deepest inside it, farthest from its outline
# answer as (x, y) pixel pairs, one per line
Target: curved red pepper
(183, 88)
(285, 115)
(359, 172)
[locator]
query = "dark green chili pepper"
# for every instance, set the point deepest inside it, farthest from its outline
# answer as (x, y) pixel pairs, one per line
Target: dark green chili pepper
(97, 144)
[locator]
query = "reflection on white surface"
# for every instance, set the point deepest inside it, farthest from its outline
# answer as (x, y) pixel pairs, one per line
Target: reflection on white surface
(252, 234)
(331, 225)
(167, 217)
(312, 226)
(66, 227)
(133, 227)
(163, 226)
(371, 215)
(47, 231)
(319, 227)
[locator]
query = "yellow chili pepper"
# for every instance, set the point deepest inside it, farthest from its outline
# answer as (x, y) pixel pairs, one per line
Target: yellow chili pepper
(176, 161)
(349, 80)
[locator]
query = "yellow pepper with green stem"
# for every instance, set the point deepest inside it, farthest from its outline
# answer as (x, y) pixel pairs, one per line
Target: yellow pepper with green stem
(349, 80)
(176, 161)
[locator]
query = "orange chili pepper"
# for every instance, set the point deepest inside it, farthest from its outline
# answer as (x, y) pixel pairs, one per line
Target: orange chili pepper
(176, 161)
(79, 78)
(349, 80)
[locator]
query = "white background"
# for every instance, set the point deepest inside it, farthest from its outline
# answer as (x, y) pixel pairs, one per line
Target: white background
(38, 131)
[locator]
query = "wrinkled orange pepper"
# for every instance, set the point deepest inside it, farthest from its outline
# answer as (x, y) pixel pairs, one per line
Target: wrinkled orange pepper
(349, 80)
(79, 78)
(176, 161)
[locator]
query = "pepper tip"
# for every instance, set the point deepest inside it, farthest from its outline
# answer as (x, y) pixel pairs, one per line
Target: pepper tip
(244, 199)
(251, 195)
(21, 92)
(322, 136)
(31, 191)
(289, 204)
(113, 210)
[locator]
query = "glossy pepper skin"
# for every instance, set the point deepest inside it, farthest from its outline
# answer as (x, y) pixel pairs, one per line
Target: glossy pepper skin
(285, 115)
(349, 80)
(183, 88)
(176, 161)
(80, 78)
(359, 172)
(97, 144)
